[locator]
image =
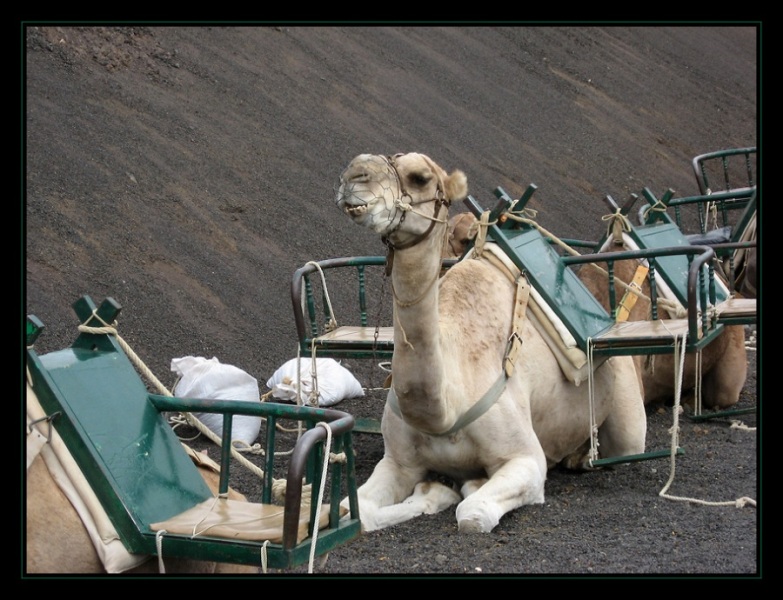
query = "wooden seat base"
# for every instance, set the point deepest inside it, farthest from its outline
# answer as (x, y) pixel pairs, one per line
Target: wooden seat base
(235, 519)
(737, 308)
(348, 335)
(659, 331)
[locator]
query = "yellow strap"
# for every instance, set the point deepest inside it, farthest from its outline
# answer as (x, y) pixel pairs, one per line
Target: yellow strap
(630, 298)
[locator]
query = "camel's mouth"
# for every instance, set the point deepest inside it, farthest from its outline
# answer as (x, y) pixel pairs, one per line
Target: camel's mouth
(355, 211)
(351, 202)
(367, 191)
(358, 199)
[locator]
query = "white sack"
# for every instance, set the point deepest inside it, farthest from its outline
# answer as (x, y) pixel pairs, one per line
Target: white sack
(202, 378)
(335, 382)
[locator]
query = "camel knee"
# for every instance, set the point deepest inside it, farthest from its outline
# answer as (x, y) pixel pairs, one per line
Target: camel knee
(719, 391)
(622, 439)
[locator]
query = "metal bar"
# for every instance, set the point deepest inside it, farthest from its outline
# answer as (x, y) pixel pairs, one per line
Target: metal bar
(616, 460)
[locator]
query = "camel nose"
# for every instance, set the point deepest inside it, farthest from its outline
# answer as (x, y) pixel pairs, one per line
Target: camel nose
(356, 174)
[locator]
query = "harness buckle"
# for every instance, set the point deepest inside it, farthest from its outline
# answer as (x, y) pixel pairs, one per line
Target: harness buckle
(513, 347)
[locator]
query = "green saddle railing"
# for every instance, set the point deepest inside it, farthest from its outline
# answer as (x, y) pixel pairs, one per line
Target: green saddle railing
(661, 230)
(118, 435)
(552, 275)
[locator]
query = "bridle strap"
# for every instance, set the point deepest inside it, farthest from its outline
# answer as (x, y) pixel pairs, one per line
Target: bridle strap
(439, 201)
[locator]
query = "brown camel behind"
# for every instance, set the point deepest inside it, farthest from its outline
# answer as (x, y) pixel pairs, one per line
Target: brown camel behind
(724, 361)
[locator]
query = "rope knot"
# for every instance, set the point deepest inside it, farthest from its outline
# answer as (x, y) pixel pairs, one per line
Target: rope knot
(618, 224)
(338, 457)
(657, 207)
(398, 203)
(330, 325)
(481, 226)
(525, 213)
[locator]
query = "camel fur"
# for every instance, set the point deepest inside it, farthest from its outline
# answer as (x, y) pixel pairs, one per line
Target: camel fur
(58, 542)
(450, 340)
(461, 231)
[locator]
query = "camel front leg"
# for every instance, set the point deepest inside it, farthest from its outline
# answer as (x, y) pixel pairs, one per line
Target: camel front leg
(518, 482)
(394, 494)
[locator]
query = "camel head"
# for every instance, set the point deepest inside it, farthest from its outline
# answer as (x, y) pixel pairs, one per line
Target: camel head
(462, 229)
(400, 196)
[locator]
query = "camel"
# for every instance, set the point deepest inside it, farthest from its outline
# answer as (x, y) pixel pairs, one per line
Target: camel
(462, 229)
(451, 336)
(58, 542)
(723, 362)
(749, 283)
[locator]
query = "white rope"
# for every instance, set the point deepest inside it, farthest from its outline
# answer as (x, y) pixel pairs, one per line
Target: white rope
(657, 207)
(679, 356)
(264, 556)
(618, 223)
(159, 546)
(591, 393)
(317, 524)
(481, 225)
(697, 383)
(332, 324)
(312, 399)
(398, 203)
(735, 424)
(712, 210)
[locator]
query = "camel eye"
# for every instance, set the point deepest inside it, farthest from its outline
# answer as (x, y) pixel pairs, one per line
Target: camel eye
(419, 179)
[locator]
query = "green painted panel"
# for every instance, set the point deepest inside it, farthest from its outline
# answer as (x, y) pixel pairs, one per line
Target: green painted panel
(582, 314)
(673, 269)
(135, 449)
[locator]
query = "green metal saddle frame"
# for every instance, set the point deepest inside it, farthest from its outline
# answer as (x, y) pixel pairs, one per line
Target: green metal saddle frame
(368, 333)
(592, 326)
(661, 230)
(727, 181)
(317, 328)
(118, 435)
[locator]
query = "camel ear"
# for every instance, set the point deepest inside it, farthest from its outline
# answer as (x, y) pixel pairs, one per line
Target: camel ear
(456, 186)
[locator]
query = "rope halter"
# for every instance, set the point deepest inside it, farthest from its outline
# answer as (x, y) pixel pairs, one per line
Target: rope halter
(438, 201)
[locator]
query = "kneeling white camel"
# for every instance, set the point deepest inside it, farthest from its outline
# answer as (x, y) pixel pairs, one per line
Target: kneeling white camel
(452, 337)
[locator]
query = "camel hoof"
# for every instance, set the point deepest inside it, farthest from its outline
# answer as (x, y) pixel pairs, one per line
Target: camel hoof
(470, 526)
(578, 462)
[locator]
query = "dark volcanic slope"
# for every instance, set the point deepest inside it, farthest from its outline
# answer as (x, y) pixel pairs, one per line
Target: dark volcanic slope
(188, 171)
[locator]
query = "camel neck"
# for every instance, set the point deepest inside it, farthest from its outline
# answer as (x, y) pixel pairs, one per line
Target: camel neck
(417, 365)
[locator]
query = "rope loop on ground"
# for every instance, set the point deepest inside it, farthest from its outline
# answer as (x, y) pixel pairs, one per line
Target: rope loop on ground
(679, 357)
